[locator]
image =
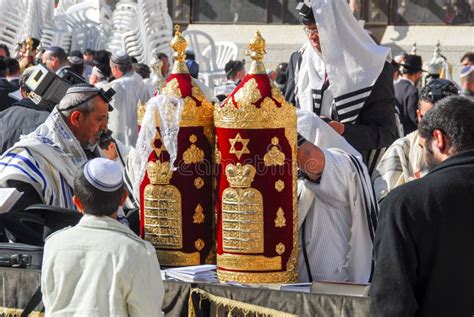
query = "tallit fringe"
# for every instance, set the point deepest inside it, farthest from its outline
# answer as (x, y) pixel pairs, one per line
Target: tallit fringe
(232, 305)
(16, 312)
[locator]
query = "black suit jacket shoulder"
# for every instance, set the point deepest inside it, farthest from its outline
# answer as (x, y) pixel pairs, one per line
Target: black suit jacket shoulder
(5, 88)
(423, 246)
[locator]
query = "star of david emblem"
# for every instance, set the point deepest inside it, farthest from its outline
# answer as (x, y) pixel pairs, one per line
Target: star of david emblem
(243, 150)
(157, 145)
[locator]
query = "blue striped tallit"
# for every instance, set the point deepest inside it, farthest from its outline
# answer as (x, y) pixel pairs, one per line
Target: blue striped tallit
(48, 159)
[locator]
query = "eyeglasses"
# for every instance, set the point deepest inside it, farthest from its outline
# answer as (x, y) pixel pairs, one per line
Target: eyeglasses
(309, 31)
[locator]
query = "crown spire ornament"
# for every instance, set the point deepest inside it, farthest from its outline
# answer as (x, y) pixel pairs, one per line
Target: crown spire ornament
(436, 64)
(179, 44)
(256, 51)
(413, 49)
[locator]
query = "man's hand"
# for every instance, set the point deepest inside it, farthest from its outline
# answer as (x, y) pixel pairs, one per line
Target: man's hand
(339, 127)
(311, 160)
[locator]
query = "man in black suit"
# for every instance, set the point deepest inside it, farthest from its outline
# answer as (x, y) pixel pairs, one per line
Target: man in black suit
(22, 117)
(406, 92)
(424, 253)
(13, 71)
(5, 87)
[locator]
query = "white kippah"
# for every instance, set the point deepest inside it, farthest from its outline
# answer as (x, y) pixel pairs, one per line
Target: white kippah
(120, 57)
(103, 174)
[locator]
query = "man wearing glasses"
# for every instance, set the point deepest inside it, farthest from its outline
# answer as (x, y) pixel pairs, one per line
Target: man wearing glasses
(42, 165)
(342, 75)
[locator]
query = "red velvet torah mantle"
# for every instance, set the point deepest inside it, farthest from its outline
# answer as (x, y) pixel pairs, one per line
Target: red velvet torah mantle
(176, 207)
(256, 199)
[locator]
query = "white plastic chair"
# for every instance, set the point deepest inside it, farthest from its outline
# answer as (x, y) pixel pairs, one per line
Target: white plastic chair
(198, 41)
(225, 51)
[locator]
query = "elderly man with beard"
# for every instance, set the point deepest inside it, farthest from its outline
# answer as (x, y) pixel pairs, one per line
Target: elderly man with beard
(43, 163)
(423, 247)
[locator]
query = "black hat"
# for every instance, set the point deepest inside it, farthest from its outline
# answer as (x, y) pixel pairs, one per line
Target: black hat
(305, 11)
(76, 53)
(89, 51)
(412, 64)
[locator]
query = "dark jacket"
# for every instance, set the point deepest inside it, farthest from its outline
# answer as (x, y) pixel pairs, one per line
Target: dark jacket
(375, 126)
(15, 82)
(5, 88)
(424, 248)
(406, 96)
(22, 117)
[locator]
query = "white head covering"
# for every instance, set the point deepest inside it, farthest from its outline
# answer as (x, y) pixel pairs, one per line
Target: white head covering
(103, 174)
(350, 58)
(120, 57)
(466, 71)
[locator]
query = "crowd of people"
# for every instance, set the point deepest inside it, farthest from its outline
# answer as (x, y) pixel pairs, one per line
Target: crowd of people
(378, 137)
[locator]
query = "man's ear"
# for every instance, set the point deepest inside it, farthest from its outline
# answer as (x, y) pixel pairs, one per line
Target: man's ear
(112, 146)
(54, 61)
(124, 197)
(439, 140)
(75, 119)
(78, 204)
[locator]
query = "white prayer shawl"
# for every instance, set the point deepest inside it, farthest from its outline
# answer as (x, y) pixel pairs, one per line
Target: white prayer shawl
(398, 165)
(169, 110)
(48, 159)
(149, 86)
(341, 209)
(129, 89)
(351, 59)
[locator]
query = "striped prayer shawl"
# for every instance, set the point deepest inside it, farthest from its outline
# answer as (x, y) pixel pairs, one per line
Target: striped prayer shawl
(342, 216)
(47, 159)
(342, 205)
(398, 165)
(21, 164)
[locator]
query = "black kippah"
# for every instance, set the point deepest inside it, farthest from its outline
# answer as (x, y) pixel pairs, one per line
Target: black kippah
(305, 11)
(438, 89)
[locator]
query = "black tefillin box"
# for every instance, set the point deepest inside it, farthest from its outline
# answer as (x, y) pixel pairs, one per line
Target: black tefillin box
(47, 88)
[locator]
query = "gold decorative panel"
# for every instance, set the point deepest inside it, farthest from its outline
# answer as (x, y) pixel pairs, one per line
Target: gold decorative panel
(242, 220)
(249, 262)
(163, 217)
(177, 258)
